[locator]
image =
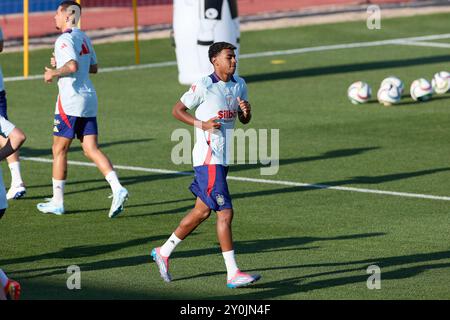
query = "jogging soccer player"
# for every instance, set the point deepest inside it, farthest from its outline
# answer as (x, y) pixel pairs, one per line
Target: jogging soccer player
(76, 108)
(17, 189)
(14, 137)
(219, 99)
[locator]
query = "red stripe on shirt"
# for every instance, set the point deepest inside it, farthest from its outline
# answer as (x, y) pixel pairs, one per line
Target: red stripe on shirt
(209, 152)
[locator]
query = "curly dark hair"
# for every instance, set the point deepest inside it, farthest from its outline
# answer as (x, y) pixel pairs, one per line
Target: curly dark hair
(217, 47)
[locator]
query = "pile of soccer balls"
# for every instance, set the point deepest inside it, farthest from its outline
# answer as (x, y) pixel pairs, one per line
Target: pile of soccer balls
(391, 89)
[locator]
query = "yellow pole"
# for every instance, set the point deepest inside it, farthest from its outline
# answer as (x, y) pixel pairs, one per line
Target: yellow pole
(25, 39)
(79, 21)
(136, 33)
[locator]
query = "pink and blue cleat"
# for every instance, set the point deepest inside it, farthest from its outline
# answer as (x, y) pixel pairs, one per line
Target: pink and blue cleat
(242, 279)
(163, 264)
(12, 290)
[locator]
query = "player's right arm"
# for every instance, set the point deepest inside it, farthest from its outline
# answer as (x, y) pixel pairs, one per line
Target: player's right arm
(65, 56)
(67, 69)
(191, 100)
(179, 111)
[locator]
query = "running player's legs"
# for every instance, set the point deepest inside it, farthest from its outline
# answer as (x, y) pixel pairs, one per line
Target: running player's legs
(91, 150)
(87, 131)
(63, 134)
(17, 189)
(60, 149)
(193, 219)
(223, 226)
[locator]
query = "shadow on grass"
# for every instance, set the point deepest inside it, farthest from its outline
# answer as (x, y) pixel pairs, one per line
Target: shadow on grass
(30, 152)
(333, 154)
(295, 285)
(243, 247)
(346, 68)
(77, 252)
(407, 100)
(319, 186)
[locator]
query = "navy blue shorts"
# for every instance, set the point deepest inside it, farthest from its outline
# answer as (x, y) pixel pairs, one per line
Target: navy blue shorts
(69, 126)
(210, 185)
(3, 105)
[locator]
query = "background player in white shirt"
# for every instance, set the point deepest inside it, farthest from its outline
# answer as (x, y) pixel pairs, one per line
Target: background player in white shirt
(219, 99)
(17, 189)
(76, 108)
(14, 137)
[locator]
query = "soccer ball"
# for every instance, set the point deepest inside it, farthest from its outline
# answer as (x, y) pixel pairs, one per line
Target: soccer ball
(421, 90)
(396, 82)
(359, 92)
(389, 94)
(441, 82)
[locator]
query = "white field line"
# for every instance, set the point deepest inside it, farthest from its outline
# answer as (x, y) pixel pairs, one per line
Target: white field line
(425, 44)
(271, 53)
(254, 180)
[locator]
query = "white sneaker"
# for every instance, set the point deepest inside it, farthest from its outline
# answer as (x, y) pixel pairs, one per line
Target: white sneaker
(51, 207)
(117, 204)
(16, 192)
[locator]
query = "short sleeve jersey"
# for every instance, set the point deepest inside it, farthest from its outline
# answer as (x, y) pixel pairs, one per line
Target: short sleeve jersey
(214, 98)
(77, 95)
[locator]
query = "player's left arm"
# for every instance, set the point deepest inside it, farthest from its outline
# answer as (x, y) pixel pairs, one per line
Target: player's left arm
(93, 68)
(244, 114)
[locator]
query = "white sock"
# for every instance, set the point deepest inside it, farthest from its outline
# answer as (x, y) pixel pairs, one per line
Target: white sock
(16, 178)
(58, 190)
(169, 246)
(113, 181)
(230, 262)
(3, 278)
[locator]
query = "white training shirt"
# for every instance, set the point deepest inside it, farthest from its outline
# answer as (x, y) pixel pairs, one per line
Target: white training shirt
(214, 98)
(5, 129)
(76, 91)
(2, 87)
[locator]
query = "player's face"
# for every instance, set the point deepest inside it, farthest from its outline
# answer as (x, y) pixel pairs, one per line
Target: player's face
(225, 61)
(60, 18)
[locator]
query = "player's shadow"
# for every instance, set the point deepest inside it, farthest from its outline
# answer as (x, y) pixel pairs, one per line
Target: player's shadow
(354, 180)
(77, 252)
(345, 68)
(317, 186)
(31, 152)
(407, 101)
(339, 275)
(139, 205)
(333, 154)
(125, 180)
(244, 247)
(273, 245)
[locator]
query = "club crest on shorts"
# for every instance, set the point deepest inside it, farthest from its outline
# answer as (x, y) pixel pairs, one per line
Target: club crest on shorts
(220, 200)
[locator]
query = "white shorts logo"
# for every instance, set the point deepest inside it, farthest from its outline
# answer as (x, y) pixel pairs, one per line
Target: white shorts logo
(220, 200)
